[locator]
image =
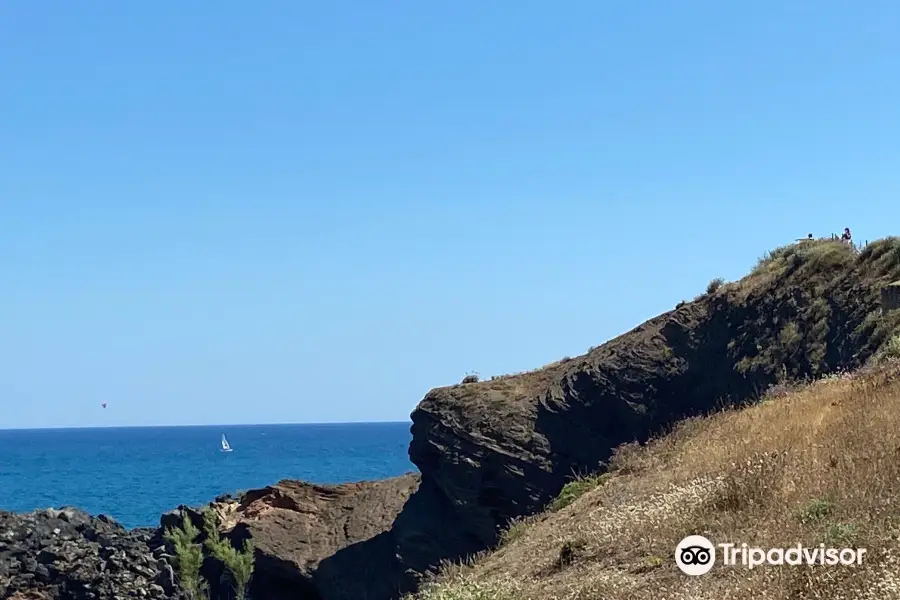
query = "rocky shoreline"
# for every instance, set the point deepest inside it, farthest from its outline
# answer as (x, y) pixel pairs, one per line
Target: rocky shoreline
(310, 542)
(67, 553)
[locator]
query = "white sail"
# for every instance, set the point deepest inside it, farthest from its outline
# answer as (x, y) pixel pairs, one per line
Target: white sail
(226, 447)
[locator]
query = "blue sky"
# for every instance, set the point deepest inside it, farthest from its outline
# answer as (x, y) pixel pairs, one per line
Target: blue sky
(263, 212)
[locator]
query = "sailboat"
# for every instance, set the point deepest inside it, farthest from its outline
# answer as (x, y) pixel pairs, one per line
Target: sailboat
(226, 447)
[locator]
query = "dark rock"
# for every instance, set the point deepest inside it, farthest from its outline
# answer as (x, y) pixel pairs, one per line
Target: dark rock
(56, 554)
(165, 578)
(42, 573)
(29, 564)
(46, 557)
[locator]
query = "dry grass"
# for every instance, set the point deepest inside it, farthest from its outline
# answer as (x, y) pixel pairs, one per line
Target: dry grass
(819, 465)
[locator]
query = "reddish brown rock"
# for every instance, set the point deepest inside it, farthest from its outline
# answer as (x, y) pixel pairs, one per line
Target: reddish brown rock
(314, 541)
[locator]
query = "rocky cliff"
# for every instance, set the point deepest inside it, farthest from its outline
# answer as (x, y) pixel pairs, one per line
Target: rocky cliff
(495, 450)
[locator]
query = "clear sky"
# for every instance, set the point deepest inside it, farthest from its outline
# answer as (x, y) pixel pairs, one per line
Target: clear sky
(255, 212)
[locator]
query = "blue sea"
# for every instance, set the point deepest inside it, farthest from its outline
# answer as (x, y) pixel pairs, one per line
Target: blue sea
(136, 474)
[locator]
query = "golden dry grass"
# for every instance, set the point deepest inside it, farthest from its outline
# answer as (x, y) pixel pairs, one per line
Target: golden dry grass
(820, 465)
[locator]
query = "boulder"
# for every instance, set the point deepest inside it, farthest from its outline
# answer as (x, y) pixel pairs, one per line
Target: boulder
(311, 541)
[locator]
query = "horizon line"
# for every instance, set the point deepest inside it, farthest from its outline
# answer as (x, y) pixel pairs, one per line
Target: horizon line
(183, 425)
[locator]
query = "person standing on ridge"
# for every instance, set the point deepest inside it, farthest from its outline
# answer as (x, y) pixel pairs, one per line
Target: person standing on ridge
(846, 237)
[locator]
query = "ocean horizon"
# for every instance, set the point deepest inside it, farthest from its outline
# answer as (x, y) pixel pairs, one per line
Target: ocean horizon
(220, 425)
(136, 473)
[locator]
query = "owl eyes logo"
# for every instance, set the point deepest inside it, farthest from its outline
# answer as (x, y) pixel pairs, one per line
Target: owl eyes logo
(695, 555)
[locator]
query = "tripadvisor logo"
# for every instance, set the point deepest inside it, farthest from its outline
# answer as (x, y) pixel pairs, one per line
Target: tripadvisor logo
(696, 555)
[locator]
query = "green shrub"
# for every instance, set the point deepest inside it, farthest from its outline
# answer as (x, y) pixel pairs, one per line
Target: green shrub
(841, 534)
(815, 510)
(891, 349)
(238, 563)
(188, 556)
(574, 490)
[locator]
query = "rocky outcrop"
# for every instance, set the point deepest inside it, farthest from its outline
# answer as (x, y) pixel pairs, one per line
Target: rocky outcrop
(312, 541)
(67, 554)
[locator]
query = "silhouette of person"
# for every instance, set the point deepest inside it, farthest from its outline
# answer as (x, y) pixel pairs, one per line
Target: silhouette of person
(846, 237)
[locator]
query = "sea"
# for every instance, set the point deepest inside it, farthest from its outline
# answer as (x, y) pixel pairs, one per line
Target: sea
(134, 474)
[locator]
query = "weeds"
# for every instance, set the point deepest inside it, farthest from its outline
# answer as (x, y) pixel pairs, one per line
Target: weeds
(574, 490)
(841, 534)
(514, 531)
(815, 510)
(891, 349)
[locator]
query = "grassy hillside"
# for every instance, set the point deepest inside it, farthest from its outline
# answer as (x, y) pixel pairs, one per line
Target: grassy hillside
(817, 465)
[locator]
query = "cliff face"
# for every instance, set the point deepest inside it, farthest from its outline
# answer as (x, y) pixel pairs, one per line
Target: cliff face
(495, 450)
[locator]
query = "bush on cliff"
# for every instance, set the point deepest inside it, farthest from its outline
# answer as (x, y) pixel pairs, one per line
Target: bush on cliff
(714, 285)
(189, 558)
(575, 489)
(238, 563)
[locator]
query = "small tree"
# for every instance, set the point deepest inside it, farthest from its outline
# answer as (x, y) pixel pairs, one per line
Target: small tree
(189, 557)
(238, 563)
